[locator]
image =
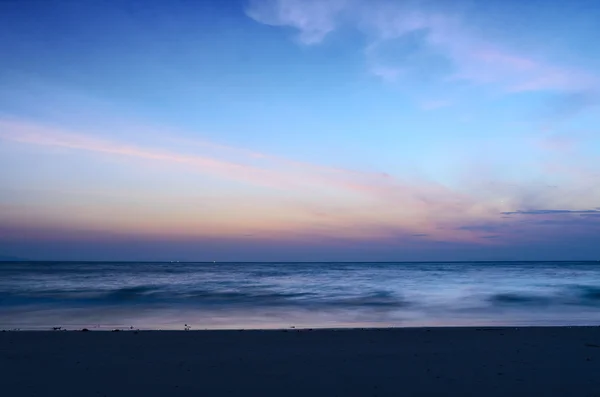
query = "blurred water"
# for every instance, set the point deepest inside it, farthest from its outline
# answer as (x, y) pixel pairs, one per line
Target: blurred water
(279, 295)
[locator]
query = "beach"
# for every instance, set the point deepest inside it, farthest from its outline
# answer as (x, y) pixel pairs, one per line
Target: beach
(505, 361)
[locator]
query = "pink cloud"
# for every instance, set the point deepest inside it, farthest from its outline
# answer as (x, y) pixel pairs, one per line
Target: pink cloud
(347, 197)
(481, 61)
(265, 173)
(319, 200)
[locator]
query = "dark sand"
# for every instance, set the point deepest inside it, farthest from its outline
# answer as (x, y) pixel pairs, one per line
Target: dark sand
(395, 362)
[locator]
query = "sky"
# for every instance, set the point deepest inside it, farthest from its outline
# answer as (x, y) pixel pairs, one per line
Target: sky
(300, 130)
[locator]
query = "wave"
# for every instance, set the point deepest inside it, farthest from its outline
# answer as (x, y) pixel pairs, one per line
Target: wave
(581, 295)
(131, 293)
(578, 295)
(247, 297)
(519, 299)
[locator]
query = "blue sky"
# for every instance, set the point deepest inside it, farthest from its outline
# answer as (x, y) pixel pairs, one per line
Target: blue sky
(299, 130)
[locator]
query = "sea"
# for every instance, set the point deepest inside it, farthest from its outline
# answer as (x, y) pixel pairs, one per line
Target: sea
(195, 296)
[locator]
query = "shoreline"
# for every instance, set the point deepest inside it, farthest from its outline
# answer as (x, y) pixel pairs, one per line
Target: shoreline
(292, 329)
(108, 328)
(416, 361)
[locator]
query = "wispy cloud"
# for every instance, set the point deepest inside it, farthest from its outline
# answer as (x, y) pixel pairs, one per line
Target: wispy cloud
(474, 59)
(360, 197)
(254, 167)
(488, 228)
(319, 200)
(552, 212)
(47, 136)
(314, 19)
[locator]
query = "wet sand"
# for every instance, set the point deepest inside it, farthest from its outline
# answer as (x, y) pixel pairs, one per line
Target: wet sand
(545, 361)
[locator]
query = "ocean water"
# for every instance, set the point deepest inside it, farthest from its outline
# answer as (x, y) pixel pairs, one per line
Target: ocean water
(40, 295)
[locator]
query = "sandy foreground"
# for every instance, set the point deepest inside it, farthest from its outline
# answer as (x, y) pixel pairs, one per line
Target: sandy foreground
(552, 361)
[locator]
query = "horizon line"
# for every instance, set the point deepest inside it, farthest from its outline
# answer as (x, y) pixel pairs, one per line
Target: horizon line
(300, 262)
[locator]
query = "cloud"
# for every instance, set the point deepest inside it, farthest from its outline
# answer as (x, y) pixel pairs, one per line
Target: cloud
(485, 63)
(57, 242)
(488, 228)
(474, 59)
(249, 166)
(47, 136)
(375, 202)
(314, 19)
(253, 167)
(359, 206)
(551, 212)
